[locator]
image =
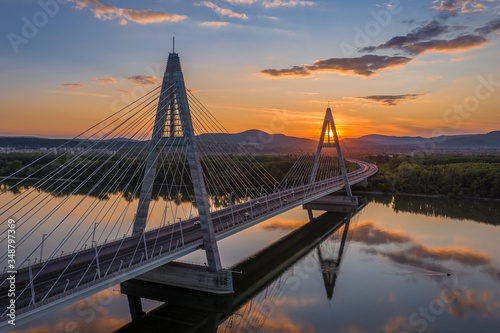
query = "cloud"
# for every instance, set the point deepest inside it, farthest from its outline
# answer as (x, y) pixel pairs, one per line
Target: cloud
(283, 224)
(81, 93)
(105, 80)
(104, 11)
(462, 6)
(430, 259)
(367, 66)
(273, 3)
(434, 77)
(74, 85)
(403, 258)
(370, 234)
(144, 80)
(286, 3)
(463, 256)
(238, 2)
(490, 27)
(467, 302)
(214, 24)
(294, 71)
(391, 100)
(461, 43)
(397, 324)
(222, 11)
(425, 32)
(416, 255)
(460, 59)
(142, 16)
(424, 39)
(274, 18)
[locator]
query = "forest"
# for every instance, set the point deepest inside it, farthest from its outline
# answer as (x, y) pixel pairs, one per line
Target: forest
(449, 175)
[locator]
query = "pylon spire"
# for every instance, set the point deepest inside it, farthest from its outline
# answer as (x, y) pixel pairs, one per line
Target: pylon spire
(328, 130)
(173, 122)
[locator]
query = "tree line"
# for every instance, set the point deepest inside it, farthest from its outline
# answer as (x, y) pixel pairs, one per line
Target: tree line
(449, 175)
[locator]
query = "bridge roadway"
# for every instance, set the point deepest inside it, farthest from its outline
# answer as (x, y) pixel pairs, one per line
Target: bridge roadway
(123, 259)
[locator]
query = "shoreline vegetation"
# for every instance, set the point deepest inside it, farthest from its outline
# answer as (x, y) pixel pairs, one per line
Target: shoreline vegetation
(482, 211)
(357, 191)
(453, 176)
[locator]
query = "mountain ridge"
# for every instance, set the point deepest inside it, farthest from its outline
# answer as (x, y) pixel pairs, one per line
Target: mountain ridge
(276, 142)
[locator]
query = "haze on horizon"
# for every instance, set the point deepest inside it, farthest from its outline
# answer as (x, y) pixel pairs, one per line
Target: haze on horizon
(416, 68)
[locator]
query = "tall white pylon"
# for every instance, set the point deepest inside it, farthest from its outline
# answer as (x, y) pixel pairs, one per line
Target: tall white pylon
(329, 139)
(173, 124)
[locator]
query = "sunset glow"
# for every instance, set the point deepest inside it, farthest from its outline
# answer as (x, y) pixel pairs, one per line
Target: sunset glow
(268, 65)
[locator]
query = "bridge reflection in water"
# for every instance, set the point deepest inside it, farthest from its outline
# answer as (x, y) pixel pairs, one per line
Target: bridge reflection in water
(258, 282)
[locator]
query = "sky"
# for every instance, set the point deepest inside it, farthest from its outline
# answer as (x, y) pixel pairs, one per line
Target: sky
(400, 67)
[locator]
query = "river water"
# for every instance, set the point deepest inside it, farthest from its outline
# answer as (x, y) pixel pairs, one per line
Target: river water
(401, 264)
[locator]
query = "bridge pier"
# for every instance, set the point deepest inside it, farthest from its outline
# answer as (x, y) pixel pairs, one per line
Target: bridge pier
(135, 306)
(332, 203)
(310, 214)
(363, 183)
(191, 276)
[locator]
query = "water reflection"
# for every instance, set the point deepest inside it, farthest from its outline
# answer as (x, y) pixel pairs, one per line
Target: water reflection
(393, 272)
(484, 211)
(257, 289)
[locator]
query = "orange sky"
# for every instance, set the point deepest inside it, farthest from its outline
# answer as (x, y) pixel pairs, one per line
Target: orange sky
(261, 66)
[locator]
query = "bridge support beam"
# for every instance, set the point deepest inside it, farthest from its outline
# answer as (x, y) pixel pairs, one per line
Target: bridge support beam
(135, 306)
(332, 203)
(178, 297)
(310, 214)
(191, 276)
(363, 183)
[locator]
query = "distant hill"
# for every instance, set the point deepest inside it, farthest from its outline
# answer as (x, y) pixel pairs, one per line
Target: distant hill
(491, 139)
(378, 139)
(255, 137)
(489, 142)
(257, 141)
(32, 142)
(39, 143)
(254, 141)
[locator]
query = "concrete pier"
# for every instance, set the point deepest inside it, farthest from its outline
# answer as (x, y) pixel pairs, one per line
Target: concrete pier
(191, 276)
(332, 203)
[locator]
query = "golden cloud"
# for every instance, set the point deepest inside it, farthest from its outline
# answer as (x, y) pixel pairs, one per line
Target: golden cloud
(104, 11)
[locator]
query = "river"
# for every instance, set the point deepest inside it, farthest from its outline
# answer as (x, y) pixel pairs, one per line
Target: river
(401, 264)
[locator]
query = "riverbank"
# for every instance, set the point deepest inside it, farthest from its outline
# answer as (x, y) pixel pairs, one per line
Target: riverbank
(417, 195)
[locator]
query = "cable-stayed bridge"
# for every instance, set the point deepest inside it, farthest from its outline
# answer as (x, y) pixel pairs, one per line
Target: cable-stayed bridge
(165, 145)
